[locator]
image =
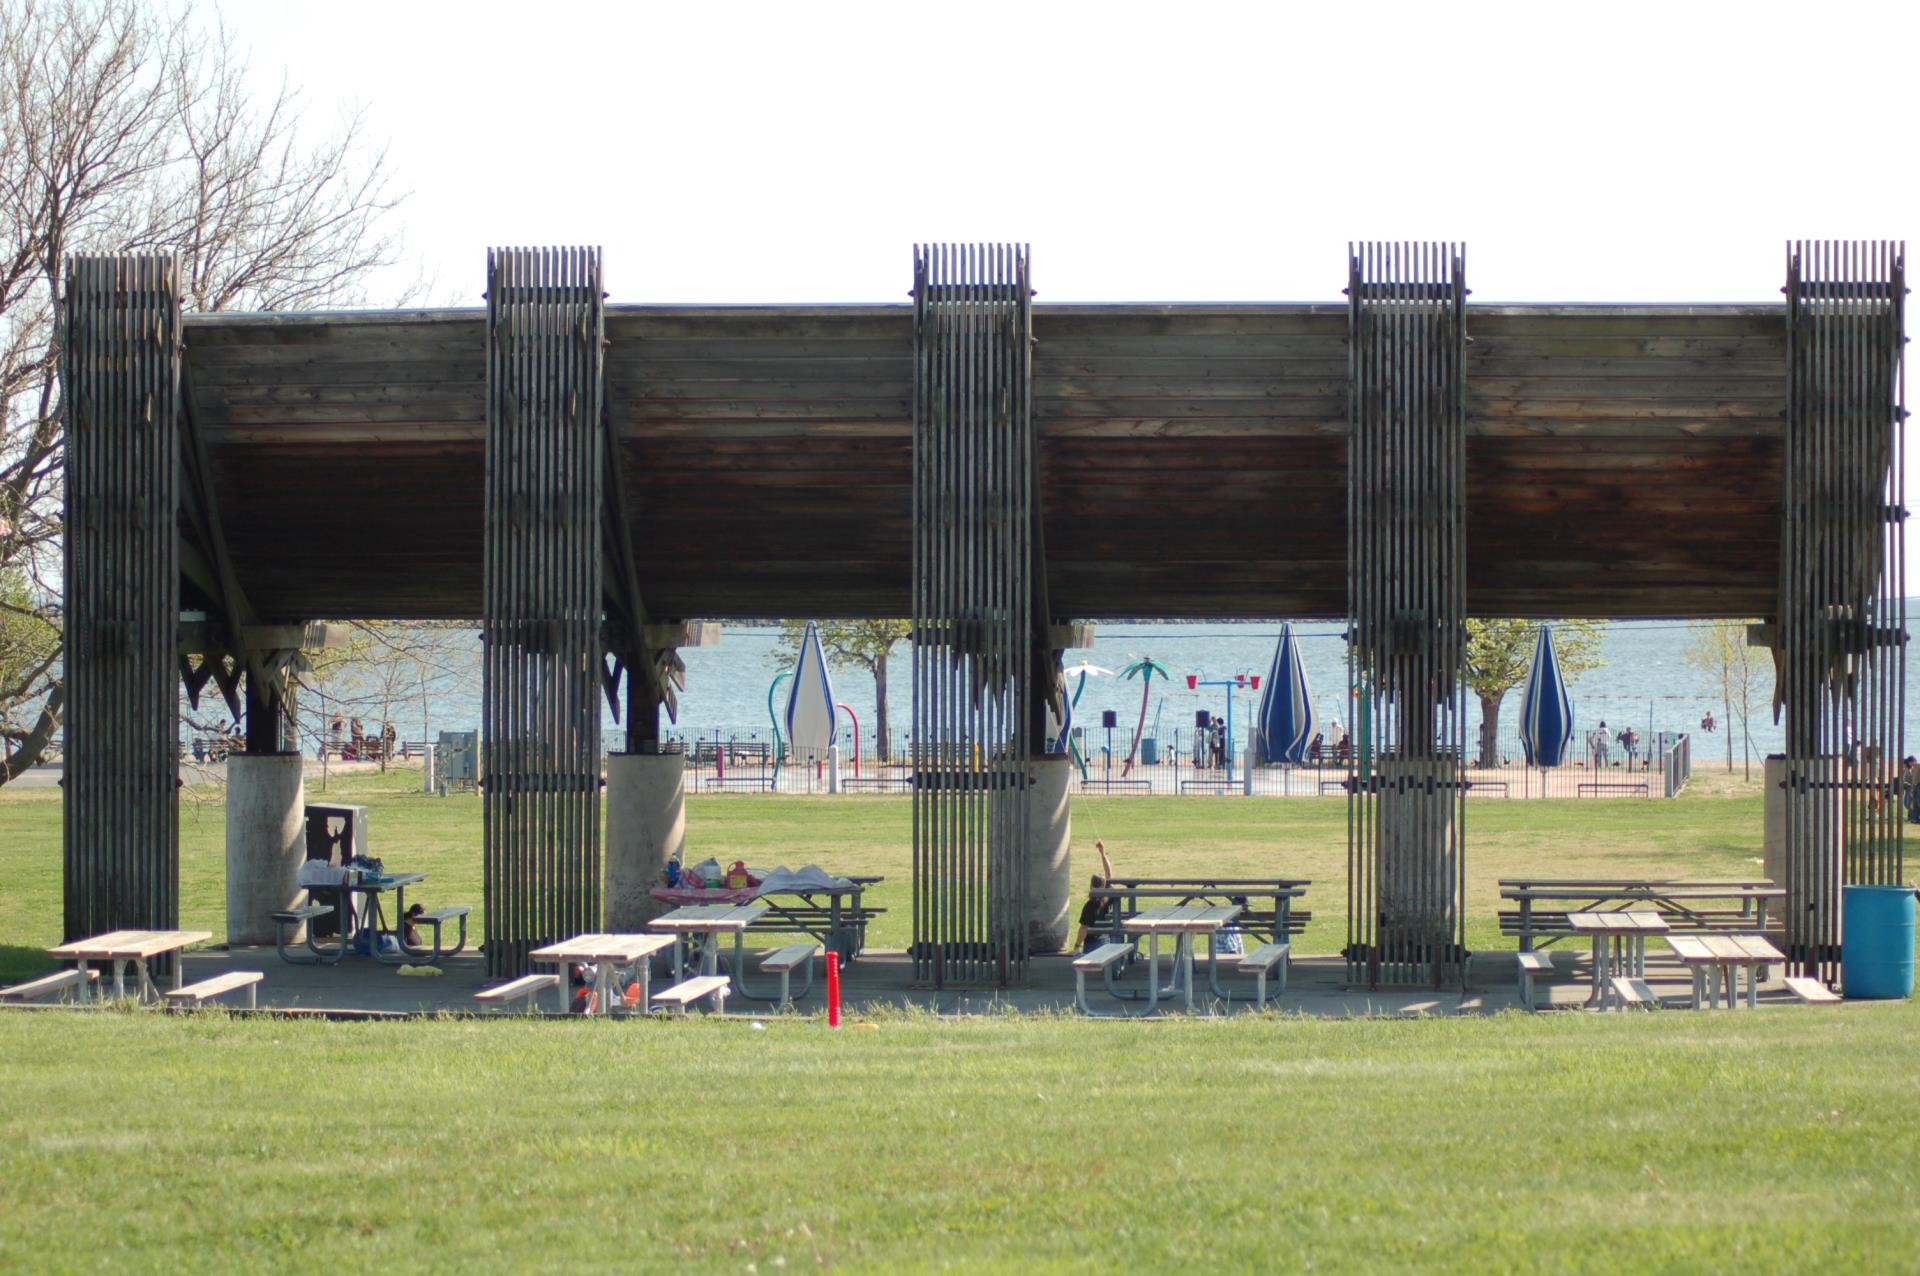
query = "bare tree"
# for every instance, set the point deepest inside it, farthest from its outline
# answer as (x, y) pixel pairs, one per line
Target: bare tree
(1734, 671)
(127, 127)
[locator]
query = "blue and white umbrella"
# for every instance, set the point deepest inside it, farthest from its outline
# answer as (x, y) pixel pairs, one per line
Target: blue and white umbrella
(1285, 720)
(810, 704)
(1546, 711)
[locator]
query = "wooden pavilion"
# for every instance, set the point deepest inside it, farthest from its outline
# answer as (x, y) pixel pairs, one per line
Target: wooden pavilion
(579, 475)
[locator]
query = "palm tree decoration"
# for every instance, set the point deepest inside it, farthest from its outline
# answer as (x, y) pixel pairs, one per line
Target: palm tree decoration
(1146, 667)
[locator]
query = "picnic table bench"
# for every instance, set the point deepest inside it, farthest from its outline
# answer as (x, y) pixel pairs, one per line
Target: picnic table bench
(1597, 787)
(1542, 905)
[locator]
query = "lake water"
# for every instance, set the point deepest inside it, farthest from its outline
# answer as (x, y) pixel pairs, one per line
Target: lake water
(1645, 680)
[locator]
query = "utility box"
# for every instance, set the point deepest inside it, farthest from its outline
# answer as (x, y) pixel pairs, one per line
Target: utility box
(336, 833)
(456, 759)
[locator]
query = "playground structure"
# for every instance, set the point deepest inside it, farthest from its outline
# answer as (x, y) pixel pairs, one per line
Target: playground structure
(997, 470)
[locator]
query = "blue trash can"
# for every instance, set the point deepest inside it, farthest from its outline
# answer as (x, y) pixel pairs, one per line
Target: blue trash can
(1149, 751)
(1876, 941)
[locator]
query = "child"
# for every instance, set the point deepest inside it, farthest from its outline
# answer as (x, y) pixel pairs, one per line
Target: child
(1097, 916)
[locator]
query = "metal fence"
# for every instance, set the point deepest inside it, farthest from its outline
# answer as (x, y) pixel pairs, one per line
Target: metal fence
(1190, 763)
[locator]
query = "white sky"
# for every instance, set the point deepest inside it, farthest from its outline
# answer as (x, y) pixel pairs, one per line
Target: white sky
(794, 152)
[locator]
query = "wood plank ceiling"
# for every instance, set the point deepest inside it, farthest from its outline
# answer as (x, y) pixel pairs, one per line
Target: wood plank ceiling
(1622, 461)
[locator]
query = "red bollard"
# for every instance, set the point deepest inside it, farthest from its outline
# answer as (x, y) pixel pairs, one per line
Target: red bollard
(833, 989)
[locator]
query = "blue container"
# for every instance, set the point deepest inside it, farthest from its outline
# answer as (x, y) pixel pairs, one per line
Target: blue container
(1876, 941)
(1149, 751)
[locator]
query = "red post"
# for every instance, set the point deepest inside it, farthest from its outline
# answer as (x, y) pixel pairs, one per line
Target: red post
(833, 989)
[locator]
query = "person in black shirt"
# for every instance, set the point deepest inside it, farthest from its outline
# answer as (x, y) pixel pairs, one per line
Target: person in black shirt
(1098, 913)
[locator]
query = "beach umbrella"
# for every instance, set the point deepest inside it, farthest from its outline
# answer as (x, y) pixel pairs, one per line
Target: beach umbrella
(810, 703)
(1546, 711)
(1285, 720)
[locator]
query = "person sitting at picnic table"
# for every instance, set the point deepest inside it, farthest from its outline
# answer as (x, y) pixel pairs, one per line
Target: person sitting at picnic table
(1097, 917)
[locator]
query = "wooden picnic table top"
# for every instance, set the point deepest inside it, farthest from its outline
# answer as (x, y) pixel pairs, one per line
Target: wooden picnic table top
(1634, 894)
(1188, 892)
(603, 947)
(710, 917)
(130, 944)
(1212, 883)
(1629, 883)
(1181, 917)
(1626, 923)
(1724, 949)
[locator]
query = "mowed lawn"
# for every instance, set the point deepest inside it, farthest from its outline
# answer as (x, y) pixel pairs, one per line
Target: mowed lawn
(1713, 830)
(1789, 1139)
(1783, 1140)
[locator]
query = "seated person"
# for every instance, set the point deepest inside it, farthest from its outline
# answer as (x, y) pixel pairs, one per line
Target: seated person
(1096, 919)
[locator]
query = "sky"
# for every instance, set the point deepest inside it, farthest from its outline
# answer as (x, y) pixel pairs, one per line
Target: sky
(796, 152)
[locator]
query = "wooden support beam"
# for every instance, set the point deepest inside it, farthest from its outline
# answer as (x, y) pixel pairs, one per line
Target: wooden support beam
(544, 596)
(979, 621)
(120, 382)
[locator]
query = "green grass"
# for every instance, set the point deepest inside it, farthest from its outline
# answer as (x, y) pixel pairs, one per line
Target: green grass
(134, 1141)
(137, 1141)
(1711, 831)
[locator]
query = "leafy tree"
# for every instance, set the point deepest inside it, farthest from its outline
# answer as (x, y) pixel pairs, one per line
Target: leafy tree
(1499, 653)
(853, 644)
(131, 127)
(1735, 672)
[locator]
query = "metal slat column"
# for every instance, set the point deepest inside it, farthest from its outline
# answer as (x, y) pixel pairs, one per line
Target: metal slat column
(540, 719)
(973, 571)
(1407, 608)
(1842, 614)
(120, 386)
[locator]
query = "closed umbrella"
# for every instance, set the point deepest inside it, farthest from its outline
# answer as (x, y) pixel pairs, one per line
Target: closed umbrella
(810, 703)
(1285, 718)
(1546, 711)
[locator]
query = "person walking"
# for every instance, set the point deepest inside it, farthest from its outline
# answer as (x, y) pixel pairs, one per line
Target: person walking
(1597, 744)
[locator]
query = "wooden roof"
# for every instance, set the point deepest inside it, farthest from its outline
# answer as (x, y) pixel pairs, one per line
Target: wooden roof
(1622, 460)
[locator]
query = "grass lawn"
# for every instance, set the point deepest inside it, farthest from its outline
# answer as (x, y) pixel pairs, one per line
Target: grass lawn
(1782, 1140)
(1713, 830)
(1776, 1141)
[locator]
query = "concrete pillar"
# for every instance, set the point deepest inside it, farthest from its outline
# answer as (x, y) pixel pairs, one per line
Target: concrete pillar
(1049, 854)
(266, 841)
(646, 827)
(1773, 819)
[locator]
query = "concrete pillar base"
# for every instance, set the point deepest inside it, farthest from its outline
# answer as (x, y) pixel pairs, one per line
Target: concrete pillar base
(646, 827)
(266, 841)
(1049, 855)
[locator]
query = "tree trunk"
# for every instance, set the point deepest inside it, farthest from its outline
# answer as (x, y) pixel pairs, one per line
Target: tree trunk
(36, 740)
(1490, 727)
(881, 749)
(1726, 710)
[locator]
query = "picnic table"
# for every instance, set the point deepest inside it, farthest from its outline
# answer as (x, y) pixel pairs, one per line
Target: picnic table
(134, 948)
(1686, 904)
(837, 916)
(1619, 944)
(707, 922)
(605, 953)
(1717, 959)
(1277, 922)
(1183, 922)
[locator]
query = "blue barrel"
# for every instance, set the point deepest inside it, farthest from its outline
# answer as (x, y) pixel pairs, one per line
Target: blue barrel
(1149, 751)
(1876, 941)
